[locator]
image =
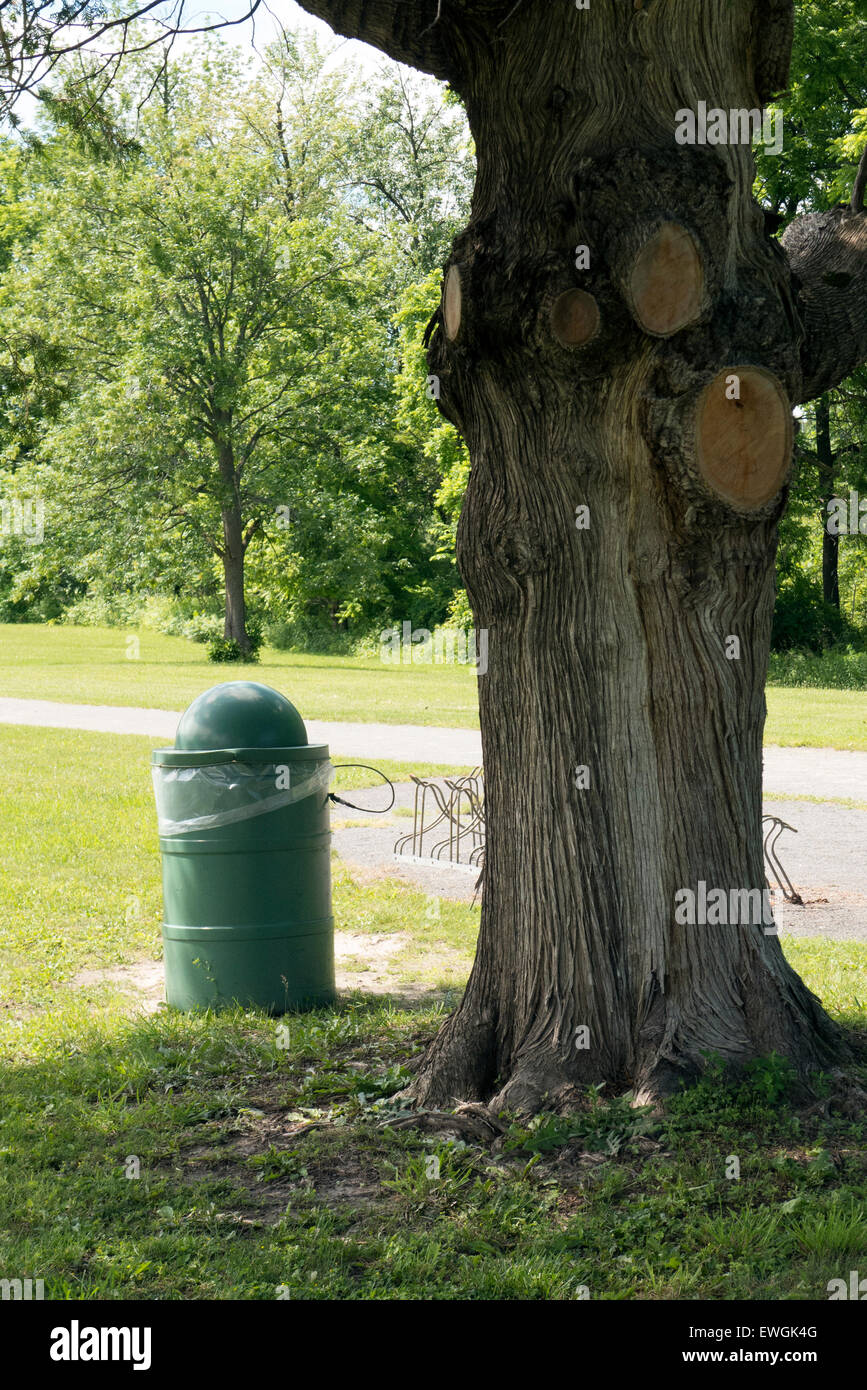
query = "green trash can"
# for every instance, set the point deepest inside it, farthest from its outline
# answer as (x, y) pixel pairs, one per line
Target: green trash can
(244, 826)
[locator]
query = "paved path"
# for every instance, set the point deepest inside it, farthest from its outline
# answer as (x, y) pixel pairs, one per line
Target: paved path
(823, 772)
(831, 773)
(825, 860)
(403, 742)
(103, 719)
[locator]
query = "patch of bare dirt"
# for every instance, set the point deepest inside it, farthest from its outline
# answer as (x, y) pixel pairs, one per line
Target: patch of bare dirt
(323, 1167)
(143, 981)
(361, 960)
(362, 963)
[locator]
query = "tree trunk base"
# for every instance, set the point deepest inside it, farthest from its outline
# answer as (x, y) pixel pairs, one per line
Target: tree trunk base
(468, 1062)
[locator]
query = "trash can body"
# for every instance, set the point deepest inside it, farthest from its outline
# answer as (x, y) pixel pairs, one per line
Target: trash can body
(246, 855)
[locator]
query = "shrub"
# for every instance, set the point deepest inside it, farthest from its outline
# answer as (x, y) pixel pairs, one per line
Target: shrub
(255, 634)
(803, 621)
(305, 634)
(199, 627)
(224, 649)
(838, 669)
(96, 609)
(227, 649)
(459, 613)
(202, 627)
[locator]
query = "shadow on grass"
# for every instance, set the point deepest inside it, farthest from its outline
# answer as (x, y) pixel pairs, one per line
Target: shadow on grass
(232, 1155)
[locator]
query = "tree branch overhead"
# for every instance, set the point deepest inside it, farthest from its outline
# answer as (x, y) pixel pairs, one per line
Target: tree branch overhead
(409, 31)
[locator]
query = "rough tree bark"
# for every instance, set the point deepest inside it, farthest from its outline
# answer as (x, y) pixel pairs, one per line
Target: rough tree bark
(653, 388)
(830, 542)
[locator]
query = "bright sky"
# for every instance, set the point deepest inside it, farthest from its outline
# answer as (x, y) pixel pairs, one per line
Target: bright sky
(267, 17)
(255, 33)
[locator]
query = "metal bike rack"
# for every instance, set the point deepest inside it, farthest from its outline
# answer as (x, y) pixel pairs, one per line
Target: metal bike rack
(457, 813)
(772, 835)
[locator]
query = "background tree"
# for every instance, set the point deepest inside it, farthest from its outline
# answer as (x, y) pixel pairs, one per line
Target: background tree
(38, 36)
(354, 538)
(372, 537)
(825, 137)
(433, 439)
(208, 295)
(415, 166)
(414, 163)
(607, 385)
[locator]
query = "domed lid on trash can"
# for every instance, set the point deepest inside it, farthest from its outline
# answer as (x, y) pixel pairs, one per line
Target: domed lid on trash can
(239, 721)
(240, 714)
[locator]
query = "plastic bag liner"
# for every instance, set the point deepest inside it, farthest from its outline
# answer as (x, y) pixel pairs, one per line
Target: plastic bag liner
(202, 798)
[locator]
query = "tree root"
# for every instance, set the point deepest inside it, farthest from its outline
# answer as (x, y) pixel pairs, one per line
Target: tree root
(473, 1122)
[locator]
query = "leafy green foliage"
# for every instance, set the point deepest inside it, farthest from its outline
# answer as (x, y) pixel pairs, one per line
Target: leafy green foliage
(835, 669)
(825, 109)
(803, 621)
(825, 130)
(227, 649)
(211, 294)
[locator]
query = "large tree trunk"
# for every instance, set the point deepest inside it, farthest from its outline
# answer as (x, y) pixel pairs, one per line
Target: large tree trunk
(608, 651)
(654, 390)
(830, 542)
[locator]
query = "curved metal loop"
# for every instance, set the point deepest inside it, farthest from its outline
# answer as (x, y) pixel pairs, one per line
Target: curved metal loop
(459, 805)
(772, 858)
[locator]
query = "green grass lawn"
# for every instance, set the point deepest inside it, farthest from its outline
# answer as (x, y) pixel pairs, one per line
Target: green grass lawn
(816, 718)
(273, 1164)
(90, 666)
